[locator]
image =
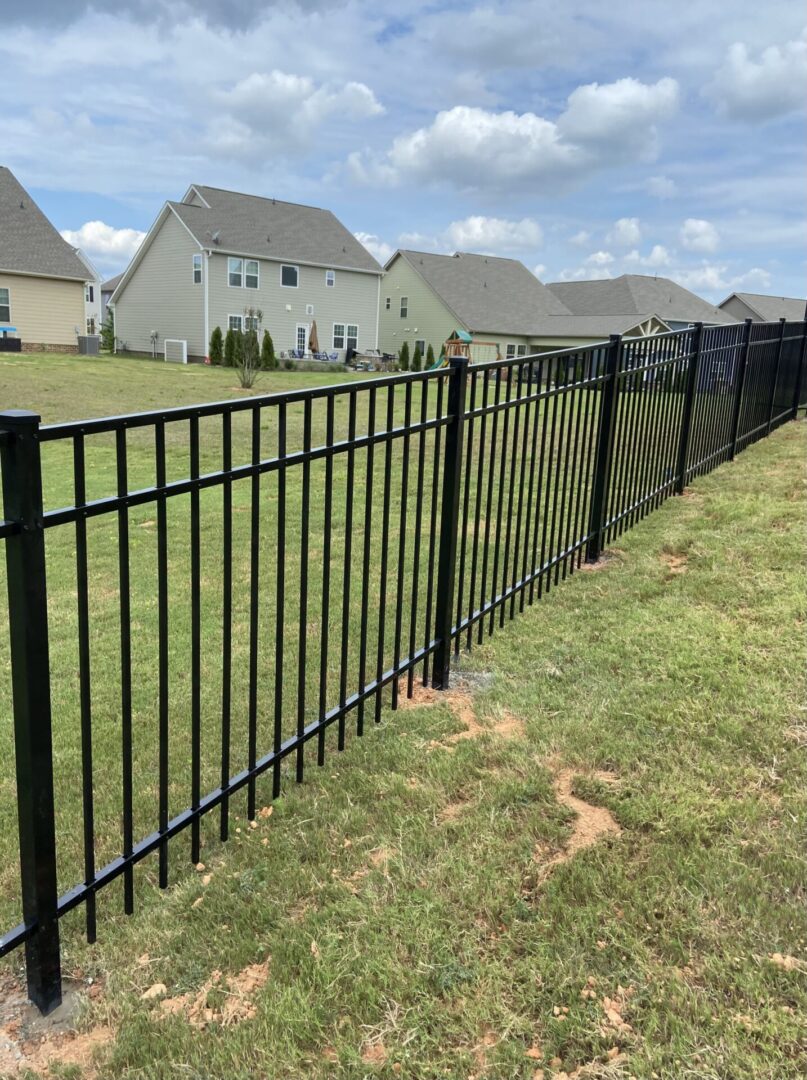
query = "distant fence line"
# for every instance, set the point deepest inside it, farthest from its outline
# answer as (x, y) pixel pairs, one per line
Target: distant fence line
(399, 520)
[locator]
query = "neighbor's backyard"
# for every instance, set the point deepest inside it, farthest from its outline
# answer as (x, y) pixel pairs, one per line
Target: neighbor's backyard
(588, 858)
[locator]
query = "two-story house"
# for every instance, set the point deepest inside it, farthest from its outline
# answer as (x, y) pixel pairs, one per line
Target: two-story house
(43, 280)
(215, 256)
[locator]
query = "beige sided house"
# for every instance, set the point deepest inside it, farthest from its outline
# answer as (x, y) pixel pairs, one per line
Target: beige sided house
(761, 308)
(498, 301)
(631, 294)
(214, 255)
(42, 278)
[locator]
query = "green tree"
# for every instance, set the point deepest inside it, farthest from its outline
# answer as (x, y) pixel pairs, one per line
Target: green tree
(248, 360)
(430, 357)
(216, 346)
(403, 356)
(108, 332)
(417, 359)
(238, 347)
(268, 358)
(229, 348)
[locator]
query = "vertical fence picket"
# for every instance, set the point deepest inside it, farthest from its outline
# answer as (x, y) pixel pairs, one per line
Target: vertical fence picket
(605, 445)
(689, 405)
(739, 375)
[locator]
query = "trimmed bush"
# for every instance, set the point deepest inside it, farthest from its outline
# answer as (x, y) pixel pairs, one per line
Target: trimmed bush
(430, 357)
(216, 354)
(417, 359)
(268, 358)
(229, 348)
(403, 356)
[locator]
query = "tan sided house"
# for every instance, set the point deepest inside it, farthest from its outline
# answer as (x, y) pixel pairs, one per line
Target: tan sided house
(503, 306)
(215, 255)
(761, 308)
(42, 278)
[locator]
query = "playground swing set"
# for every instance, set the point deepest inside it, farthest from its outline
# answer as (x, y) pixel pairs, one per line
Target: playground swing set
(459, 344)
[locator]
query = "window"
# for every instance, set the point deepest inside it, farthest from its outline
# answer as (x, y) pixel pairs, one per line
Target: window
(251, 322)
(404, 306)
(302, 337)
(511, 350)
(420, 344)
(289, 277)
(197, 269)
(89, 293)
(345, 336)
(251, 274)
(91, 326)
(388, 303)
(338, 335)
(352, 336)
(235, 273)
(235, 322)
(330, 278)
(521, 351)
(5, 306)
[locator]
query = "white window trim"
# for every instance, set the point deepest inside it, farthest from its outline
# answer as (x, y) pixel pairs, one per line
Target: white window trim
(198, 255)
(257, 274)
(404, 307)
(8, 290)
(254, 319)
(301, 326)
(240, 320)
(347, 335)
(235, 258)
(343, 335)
(510, 345)
(290, 266)
(330, 284)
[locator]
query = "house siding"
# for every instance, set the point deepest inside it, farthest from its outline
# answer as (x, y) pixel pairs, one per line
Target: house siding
(740, 310)
(353, 299)
(428, 318)
(45, 311)
(161, 295)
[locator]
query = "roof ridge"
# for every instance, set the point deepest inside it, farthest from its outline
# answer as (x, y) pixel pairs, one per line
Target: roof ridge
(252, 195)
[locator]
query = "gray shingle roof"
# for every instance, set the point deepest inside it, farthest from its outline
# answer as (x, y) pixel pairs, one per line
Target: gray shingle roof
(633, 294)
(590, 326)
(271, 229)
(112, 284)
(486, 293)
(29, 244)
(772, 308)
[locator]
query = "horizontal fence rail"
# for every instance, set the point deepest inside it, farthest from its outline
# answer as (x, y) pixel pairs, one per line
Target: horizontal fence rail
(197, 594)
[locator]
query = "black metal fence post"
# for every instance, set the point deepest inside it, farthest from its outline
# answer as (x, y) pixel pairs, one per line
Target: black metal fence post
(28, 629)
(605, 446)
(689, 405)
(742, 367)
(449, 518)
(779, 347)
(800, 372)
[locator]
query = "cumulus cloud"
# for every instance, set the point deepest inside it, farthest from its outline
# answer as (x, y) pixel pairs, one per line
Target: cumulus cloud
(717, 280)
(658, 256)
(585, 273)
(378, 248)
(662, 187)
(751, 89)
(580, 239)
(600, 258)
(470, 147)
(625, 232)
(104, 244)
(480, 234)
(697, 234)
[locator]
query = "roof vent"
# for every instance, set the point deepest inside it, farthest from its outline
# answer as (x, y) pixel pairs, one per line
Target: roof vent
(215, 236)
(268, 239)
(273, 201)
(22, 205)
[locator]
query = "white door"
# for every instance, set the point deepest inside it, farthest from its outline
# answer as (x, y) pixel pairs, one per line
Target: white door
(302, 336)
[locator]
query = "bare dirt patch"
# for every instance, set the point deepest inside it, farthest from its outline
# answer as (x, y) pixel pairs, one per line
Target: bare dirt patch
(591, 823)
(222, 999)
(608, 558)
(460, 702)
(676, 564)
(29, 1041)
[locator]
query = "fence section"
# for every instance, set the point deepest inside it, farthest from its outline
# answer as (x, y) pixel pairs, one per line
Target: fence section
(229, 588)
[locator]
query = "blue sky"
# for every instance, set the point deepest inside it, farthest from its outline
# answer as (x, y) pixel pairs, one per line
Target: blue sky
(584, 139)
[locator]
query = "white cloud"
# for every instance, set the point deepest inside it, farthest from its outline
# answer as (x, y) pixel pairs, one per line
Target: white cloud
(539, 271)
(716, 280)
(662, 187)
(659, 256)
(754, 90)
(585, 273)
(492, 235)
(378, 248)
(600, 258)
(103, 244)
(625, 232)
(697, 234)
(580, 238)
(477, 148)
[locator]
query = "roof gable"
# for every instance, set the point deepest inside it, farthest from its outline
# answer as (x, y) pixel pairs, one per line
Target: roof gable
(772, 308)
(252, 225)
(30, 243)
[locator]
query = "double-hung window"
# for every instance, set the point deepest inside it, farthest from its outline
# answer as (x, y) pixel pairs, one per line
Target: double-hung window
(521, 350)
(330, 278)
(5, 306)
(289, 277)
(404, 306)
(236, 322)
(235, 273)
(388, 303)
(338, 335)
(251, 322)
(197, 269)
(89, 293)
(511, 350)
(352, 336)
(251, 274)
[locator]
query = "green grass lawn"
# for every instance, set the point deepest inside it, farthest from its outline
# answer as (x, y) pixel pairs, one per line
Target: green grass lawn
(394, 914)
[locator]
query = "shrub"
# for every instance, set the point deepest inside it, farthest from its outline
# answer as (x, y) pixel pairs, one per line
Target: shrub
(430, 357)
(216, 346)
(248, 360)
(403, 356)
(229, 348)
(289, 364)
(238, 347)
(268, 358)
(108, 333)
(417, 359)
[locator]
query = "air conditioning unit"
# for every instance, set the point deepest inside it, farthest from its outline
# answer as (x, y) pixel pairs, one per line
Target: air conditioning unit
(309, 309)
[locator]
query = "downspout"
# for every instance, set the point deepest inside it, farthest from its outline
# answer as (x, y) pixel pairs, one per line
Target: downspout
(377, 312)
(206, 256)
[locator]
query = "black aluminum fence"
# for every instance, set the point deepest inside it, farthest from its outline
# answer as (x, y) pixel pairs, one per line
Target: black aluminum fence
(229, 583)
